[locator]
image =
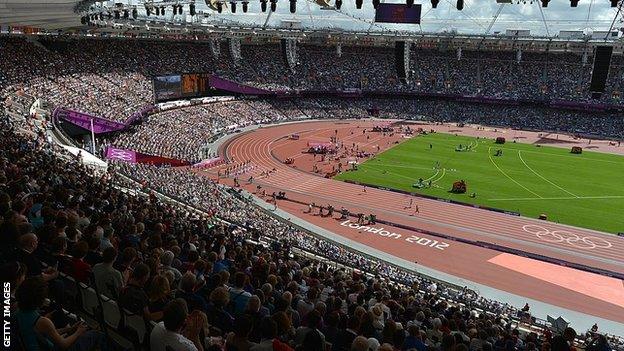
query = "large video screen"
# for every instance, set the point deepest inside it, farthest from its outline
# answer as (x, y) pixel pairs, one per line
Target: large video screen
(398, 13)
(181, 86)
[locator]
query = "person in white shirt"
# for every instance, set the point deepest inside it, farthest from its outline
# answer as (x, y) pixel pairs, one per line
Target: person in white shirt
(168, 332)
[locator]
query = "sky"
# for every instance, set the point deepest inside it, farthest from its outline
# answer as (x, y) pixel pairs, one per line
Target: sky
(476, 17)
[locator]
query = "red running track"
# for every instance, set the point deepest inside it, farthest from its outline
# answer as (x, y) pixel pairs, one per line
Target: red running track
(560, 286)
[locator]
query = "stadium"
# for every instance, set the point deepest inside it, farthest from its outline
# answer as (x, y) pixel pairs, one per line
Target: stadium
(312, 175)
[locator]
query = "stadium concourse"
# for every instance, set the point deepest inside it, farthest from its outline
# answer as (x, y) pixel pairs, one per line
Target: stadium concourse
(155, 255)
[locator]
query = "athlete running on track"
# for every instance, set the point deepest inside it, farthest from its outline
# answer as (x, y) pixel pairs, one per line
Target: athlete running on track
(416, 210)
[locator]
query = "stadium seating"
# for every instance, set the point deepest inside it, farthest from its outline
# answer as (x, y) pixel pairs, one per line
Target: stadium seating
(292, 277)
(62, 71)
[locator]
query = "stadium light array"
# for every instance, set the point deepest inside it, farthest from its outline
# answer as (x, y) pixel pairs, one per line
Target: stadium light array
(178, 9)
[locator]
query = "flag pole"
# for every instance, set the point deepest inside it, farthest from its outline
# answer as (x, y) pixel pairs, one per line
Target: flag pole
(92, 137)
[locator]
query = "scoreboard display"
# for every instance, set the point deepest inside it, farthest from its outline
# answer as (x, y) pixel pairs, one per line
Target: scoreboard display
(398, 13)
(181, 86)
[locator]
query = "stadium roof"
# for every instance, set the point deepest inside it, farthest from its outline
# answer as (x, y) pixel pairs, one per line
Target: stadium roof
(478, 17)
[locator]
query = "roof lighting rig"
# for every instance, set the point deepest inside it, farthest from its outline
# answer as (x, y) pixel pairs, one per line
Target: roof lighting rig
(99, 12)
(103, 14)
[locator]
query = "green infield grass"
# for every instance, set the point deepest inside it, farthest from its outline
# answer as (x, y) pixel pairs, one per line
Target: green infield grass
(585, 190)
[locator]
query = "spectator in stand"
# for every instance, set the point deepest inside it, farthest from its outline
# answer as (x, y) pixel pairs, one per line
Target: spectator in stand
(217, 316)
(239, 339)
(14, 273)
(330, 328)
(238, 296)
(36, 329)
(564, 342)
(313, 341)
(269, 341)
(94, 256)
(78, 268)
(125, 262)
(133, 297)
(107, 236)
(168, 334)
(359, 343)
(598, 343)
(252, 311)
(187, 292)
(108, 280)
(347, 336)
(27, 244)
(313, 322)
(24, 253)
(166, 260)
(284, 303)
(58, 258)
(285, 330)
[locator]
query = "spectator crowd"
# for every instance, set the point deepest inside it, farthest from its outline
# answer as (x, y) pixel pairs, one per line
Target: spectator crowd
(205, 267)
(226, 276)
(112, 78)
(183, 133)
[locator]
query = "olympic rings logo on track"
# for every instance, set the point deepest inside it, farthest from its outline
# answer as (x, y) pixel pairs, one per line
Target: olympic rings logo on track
(562, 236)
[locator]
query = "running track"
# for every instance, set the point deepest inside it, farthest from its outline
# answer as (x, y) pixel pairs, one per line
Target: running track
(540, 281)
